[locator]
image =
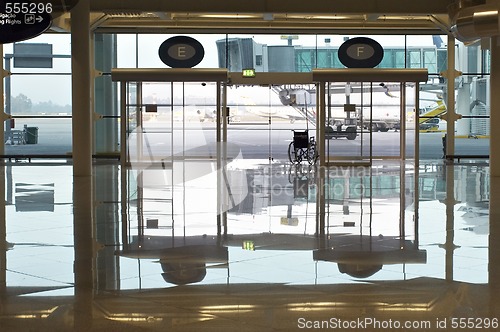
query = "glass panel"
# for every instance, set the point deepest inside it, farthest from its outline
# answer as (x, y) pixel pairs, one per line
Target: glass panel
(41, 121)
(276, 53)
(295, 53)
(346, 203)
(432, 111)
(126, 50)
(192, 103)
(172, 151)
(346, 104)
(400, 59)
(40, 99)
(386, 118)
(430, 60)
(40, 198)
(262, 118)
(432, 128)
(427, 51)
(108, 139)
(486, 61)
(328, 58)
(60, 64)
(410, 168)
(39, 90)
(250, 120)
(166, 127)
(61, 42)
(473, 144)
(473, 103)
(372, 124)
(60, 47)
(442, 60)
(132, 107)
(305, 60)
(39, 136)
(351, 211)
(409, 108)
(300, 53)
(273, 53)
(106, 94)
(415, 60)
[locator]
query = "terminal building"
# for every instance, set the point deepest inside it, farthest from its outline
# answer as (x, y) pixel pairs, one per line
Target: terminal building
(253, 166)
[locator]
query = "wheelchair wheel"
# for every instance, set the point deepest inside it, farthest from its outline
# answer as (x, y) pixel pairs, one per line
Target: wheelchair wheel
(292, 153)
(312, 154)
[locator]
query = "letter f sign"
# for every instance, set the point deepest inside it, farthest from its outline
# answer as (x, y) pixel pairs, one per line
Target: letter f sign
(360, 50)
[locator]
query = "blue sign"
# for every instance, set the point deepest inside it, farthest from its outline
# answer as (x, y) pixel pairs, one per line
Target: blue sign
(181, 52)
(360, 52)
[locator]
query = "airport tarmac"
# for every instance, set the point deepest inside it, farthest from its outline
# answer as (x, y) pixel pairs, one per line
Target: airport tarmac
(256, 140)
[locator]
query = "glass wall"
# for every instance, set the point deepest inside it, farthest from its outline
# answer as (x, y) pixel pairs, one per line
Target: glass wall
(38, 96)
(472, 131)
(39, 99)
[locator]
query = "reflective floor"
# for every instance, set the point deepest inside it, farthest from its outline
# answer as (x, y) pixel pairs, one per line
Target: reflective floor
(252, 246)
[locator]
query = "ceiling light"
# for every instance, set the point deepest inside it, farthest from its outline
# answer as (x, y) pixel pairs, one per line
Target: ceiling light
(329, 17)
(228, 16)
(319, 17)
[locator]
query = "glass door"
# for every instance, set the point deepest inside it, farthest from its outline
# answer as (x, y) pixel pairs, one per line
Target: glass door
(266, 111)
(348, 114)
(171, 152)
(363, 121)
(250, 120)
(263, 118)
(374, 104)
(171, 120)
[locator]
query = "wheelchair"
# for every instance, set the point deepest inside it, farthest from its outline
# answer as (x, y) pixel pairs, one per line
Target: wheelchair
(302, 148)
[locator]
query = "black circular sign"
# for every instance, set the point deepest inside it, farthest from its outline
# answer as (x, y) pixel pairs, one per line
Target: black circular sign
(21, 20)
(360, 52)
(181, 52)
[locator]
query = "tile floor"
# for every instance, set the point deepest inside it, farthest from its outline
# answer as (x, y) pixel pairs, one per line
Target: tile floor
(257, 247)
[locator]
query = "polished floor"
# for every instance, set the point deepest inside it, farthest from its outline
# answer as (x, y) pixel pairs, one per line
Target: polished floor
(253, 246)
